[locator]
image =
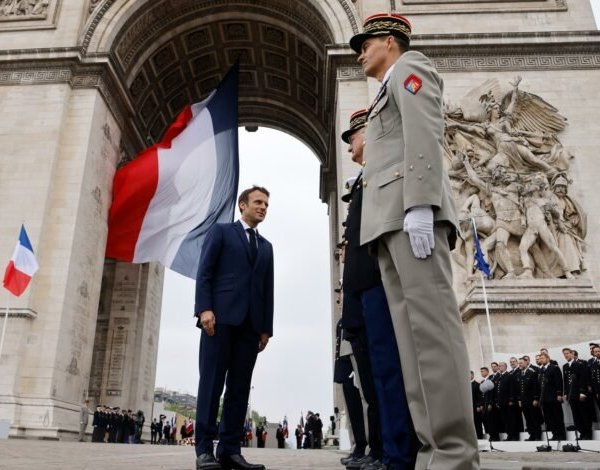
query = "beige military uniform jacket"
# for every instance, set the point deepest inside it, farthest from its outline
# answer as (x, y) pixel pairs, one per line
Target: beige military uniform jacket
(403, 154)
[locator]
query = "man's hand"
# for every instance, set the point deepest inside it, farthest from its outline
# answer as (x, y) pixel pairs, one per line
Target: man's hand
(559, 398)
(418, 223)
(536, 403)
(262, 343)
(582, 397)
(207, 320)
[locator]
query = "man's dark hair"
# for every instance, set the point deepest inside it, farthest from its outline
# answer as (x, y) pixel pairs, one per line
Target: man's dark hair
(245, 196)
(482, 368)
(567, 349)
(494, 363)
(403, 45)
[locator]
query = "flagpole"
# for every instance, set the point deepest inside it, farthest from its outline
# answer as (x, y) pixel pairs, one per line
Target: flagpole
(485, 299)
(5, 322)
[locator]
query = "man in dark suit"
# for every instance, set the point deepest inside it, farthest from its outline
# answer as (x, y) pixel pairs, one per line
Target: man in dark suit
(594, 364)
(503, 400)
(576, 383)
(234, 306)
(516, 420)
(551, 397)
(477, 406)
(529, 399)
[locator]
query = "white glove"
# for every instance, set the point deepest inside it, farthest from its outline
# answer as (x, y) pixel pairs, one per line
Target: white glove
(418, 223)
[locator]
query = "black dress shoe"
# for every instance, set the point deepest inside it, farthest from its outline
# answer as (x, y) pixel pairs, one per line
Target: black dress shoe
(352, 457)
(207, 461)
(358, 463)
(237, 462)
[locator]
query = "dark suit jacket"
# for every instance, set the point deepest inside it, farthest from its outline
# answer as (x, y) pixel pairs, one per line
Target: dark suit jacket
(551, 384)
(576, 380)
(229, 284)
(529, 386)
(476, 394)
(361, 270)
(504, 389)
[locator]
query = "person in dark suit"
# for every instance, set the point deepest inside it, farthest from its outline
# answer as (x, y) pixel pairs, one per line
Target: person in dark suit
(516, 421)
(234, 306)
(529, 399)
(477, 406)
(503, 400)
(551, 397)
(487, 388)
(594, 364)
(575, 375)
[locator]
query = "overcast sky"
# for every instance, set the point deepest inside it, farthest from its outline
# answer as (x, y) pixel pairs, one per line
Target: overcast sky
(294, 373)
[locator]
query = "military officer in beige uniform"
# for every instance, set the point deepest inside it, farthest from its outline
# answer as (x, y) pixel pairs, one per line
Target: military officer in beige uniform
(408, 217)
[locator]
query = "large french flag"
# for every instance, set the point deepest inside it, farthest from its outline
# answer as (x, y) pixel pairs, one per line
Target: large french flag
(22, 266)
(167, 198)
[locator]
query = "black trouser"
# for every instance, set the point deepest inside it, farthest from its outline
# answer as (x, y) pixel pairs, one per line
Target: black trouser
(554, 418)
(511, 417)
(356, 416)
(582, 418)
(533, 419)
(478, 423)
(491, 422)
(363, 363)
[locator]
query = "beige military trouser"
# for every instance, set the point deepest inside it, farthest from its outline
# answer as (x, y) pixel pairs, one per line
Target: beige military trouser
(432, 350)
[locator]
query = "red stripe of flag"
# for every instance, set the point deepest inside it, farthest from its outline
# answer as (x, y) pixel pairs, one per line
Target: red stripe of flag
(15, 281)
(134, 187)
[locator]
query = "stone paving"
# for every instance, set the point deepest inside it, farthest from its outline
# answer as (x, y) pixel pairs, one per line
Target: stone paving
(45, 455)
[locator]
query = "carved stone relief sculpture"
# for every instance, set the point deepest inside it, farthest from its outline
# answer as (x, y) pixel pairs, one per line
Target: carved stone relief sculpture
(17, 9)
(510, 175)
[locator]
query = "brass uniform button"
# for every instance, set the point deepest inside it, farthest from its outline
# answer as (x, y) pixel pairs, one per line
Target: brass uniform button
(364, 184)
(364, 163)
(420, 177)
(429, 167)
(397, 173)
(411, 168)
(420, 155)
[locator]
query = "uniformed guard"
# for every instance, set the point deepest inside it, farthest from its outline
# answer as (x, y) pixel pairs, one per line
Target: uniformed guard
(364, 291)
(576, 381)
(594, 364)
(408, 217)
(529, 399)
(551, 398)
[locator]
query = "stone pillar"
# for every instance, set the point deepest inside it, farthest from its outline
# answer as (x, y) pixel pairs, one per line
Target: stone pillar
(63, 149)
(126, 344)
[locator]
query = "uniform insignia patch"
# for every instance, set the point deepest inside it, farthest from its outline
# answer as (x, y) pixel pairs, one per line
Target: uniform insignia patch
(413, 84)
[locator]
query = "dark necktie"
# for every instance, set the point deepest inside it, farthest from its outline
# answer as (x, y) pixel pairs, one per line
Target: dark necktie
(253, 247)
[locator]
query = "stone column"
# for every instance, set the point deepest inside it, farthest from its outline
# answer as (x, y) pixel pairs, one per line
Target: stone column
(63, 146)
(126, 345)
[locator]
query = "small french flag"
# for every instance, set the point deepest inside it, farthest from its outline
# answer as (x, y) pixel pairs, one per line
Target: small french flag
(21, 267)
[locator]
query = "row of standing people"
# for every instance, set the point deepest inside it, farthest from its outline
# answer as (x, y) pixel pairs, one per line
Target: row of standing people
(166, 433)
(117, 426)
(526, 396)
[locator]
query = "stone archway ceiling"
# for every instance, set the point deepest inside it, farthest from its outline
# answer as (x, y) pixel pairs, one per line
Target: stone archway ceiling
(169, 57)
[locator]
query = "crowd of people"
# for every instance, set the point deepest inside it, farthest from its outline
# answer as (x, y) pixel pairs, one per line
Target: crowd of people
(521, 396)
(114, 425)
(165, 432)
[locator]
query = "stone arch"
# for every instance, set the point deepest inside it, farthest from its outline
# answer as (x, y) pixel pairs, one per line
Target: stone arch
(166, 57)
